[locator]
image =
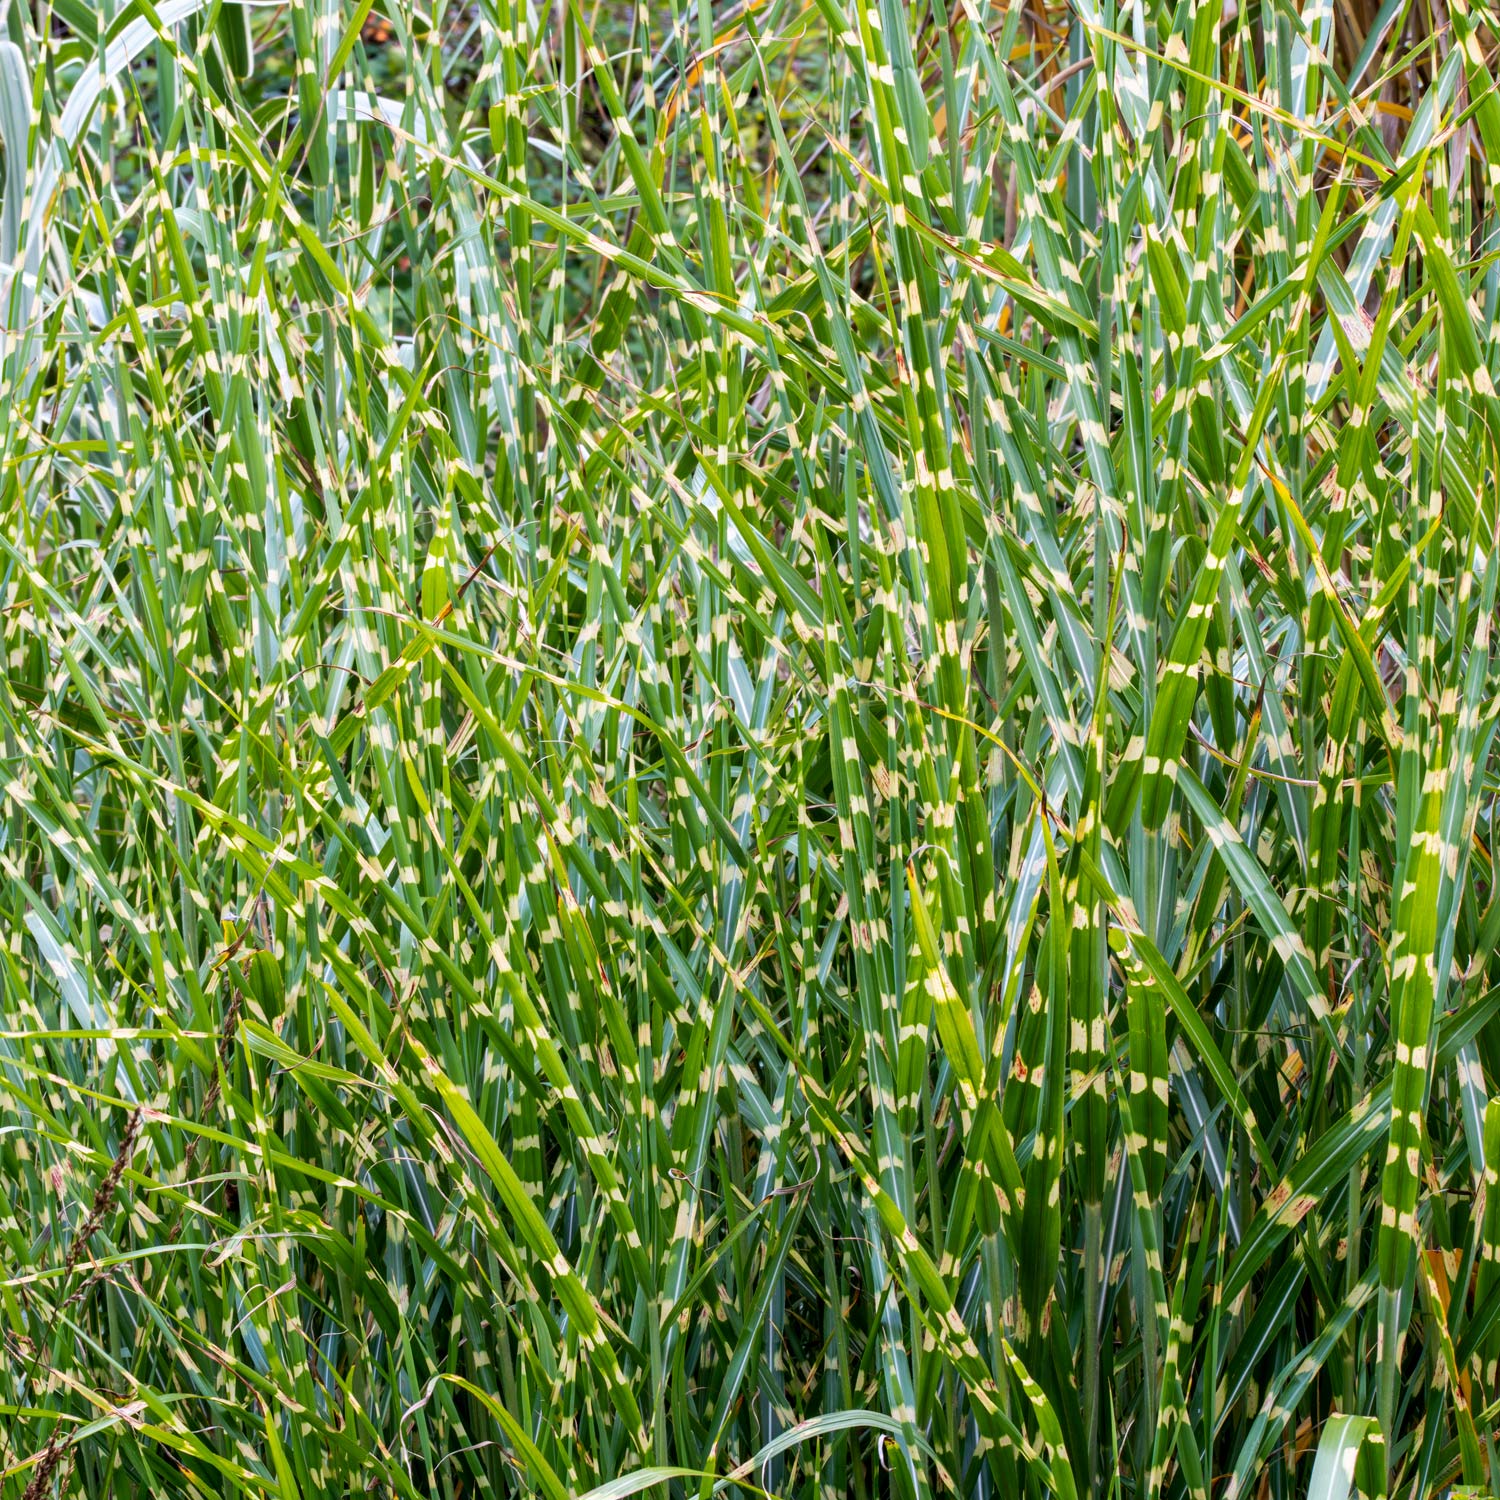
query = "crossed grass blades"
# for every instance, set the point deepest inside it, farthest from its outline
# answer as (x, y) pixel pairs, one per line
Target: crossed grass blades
(749, 749)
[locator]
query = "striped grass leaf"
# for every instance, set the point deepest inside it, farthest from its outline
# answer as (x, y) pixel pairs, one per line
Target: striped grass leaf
(733, 739)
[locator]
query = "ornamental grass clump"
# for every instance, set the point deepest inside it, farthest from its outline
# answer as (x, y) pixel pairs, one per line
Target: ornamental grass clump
(749, 749)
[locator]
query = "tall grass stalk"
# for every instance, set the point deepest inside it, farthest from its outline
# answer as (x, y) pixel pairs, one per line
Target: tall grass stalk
(749, 748)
